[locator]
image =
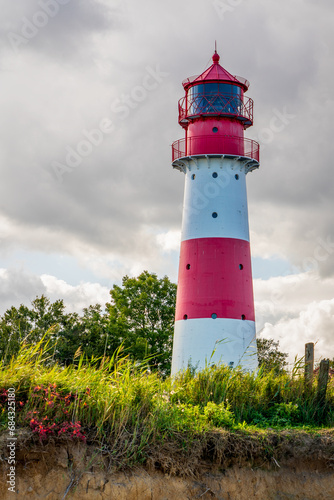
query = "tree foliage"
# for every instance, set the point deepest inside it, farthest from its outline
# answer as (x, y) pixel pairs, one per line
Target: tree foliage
(270, 358)
(140, 316)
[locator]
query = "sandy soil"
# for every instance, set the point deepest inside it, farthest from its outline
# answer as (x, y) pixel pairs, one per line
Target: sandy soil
(77, 472)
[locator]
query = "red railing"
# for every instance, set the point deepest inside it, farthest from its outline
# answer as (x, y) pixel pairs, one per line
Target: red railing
(234, 106)
(217, 144)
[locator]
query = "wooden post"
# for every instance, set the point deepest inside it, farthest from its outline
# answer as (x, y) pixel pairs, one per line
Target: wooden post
(309, 364)
(323, 379)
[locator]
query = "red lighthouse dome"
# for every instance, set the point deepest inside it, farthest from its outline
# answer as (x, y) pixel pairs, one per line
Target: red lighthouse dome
(216, 73)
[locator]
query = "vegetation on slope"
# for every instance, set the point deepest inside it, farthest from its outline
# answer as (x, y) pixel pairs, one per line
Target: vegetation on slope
(131, 413)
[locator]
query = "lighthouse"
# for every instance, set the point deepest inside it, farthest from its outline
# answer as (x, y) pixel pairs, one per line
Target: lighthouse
(214, 318)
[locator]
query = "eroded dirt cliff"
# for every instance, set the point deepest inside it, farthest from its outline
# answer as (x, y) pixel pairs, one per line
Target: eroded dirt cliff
(59, 471)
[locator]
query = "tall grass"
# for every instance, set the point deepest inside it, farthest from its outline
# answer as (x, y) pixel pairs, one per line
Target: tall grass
(126, 409)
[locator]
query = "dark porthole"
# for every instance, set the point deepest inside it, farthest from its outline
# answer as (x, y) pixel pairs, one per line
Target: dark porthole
(188, 266)
(214, 316)
(215, 215)
(185, 316)
(236, 176)
(243, 317)
(241, 267)
(215, 175)
(193, 177)
(215, 130)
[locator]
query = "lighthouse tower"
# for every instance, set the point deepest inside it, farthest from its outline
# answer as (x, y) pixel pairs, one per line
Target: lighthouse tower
(215, 321)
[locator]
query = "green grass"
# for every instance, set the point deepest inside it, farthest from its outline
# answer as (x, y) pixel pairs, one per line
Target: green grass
(128, 411)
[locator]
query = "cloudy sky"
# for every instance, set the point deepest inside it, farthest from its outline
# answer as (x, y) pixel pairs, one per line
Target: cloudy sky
(88, 99)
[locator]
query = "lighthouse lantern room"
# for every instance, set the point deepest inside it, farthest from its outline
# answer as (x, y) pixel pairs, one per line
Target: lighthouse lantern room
(214, 320)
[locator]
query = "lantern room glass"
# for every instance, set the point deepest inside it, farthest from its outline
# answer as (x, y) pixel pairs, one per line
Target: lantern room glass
(215, 98)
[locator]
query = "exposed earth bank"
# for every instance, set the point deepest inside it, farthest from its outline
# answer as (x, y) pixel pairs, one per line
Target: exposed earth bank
(78, 471)
(236, 484)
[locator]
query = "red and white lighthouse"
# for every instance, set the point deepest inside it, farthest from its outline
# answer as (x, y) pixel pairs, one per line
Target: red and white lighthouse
(215, 319)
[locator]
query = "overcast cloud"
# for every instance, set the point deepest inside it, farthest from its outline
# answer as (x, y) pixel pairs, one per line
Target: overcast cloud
(109, 73)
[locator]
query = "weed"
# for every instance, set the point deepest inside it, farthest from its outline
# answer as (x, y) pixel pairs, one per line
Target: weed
(130, 410)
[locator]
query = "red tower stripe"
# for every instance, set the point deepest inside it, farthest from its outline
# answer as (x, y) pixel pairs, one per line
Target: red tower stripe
(215, 277)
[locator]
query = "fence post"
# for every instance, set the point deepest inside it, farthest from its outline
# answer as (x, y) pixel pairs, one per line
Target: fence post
(309, 364)
(323, 379)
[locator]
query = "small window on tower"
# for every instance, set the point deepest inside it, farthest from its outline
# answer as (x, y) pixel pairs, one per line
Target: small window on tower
(215, 130)
(215, 215)
(214, 316)
(188, 266)
(236, 176)
(241, 267)
(185, 316)
(193, 177)
(215, 175)
(243, 317)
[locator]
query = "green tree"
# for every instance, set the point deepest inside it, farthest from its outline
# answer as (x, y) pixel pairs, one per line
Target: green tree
(15, 325)
(69, 338)
(32, 324)
(44, 315)
(270, 358)
(95, 338)
(141, 316)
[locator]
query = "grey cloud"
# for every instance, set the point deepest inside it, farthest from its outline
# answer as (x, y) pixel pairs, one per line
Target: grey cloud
(127, 183)
(294, 310)
(18, 286)
(59, 29)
